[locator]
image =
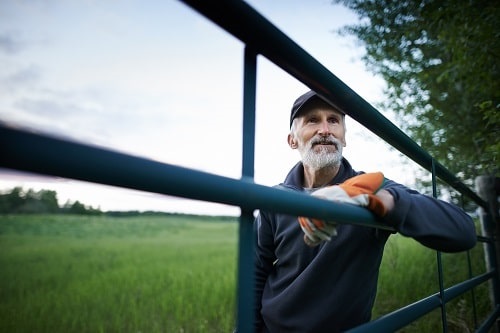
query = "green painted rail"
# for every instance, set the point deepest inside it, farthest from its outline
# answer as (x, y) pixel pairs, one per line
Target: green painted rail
(39, 153)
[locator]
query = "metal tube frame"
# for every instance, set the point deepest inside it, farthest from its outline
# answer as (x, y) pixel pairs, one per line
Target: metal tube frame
(44, 154)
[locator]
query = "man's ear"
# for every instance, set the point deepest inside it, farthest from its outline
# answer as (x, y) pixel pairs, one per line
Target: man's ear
(343, 140)
(292, 142)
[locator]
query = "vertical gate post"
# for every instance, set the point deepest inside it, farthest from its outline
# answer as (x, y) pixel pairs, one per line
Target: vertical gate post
(246, 271)
(488, 188)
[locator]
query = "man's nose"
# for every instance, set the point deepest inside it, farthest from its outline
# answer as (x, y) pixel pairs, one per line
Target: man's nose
(324, 128)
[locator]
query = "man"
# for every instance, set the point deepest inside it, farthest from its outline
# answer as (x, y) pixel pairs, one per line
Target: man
(313, 276)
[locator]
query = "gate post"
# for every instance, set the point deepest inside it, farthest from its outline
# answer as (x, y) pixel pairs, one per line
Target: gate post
(488, 188)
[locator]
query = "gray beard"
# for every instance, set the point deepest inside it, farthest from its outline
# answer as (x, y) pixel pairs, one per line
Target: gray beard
(322, 158)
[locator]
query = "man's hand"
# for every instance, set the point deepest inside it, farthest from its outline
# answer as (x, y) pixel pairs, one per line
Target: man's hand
(316, 231)
(361, 190)
(387, 199)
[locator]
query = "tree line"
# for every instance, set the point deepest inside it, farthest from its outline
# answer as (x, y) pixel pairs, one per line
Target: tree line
(19, 201)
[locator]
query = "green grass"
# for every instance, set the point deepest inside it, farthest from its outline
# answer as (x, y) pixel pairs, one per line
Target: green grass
(63, 273)
(79, 274)
(409, 273)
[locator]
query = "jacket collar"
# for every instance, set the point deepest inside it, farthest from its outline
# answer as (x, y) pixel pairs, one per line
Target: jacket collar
(295, 177)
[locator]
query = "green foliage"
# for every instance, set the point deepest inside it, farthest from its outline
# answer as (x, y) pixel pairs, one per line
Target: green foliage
(31, 202)
(19, 201)
(440, 60)
(409, 273)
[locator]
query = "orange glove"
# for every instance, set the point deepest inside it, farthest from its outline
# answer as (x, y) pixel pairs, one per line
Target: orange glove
(359, 190)
(316, 231)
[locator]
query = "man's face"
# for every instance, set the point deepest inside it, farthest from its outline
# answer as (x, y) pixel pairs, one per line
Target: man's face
(319, 135)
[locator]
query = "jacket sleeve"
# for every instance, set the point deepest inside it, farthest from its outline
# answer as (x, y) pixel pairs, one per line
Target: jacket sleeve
(264, 258)
(432, 222)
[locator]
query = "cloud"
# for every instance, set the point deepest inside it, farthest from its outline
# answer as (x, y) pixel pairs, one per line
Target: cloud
(25, 75)
(9, 44)
(21, 79)
(45, 107)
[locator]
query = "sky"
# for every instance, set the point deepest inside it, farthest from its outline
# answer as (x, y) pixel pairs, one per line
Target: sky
(156, 79)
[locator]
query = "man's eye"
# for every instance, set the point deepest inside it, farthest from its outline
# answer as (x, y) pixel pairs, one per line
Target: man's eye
(312, 120)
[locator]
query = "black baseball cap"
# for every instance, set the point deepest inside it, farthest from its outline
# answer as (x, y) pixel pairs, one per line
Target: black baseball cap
(299, 103)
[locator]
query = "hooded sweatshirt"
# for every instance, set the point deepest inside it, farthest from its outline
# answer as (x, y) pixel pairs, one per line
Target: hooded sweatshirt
(332, 287)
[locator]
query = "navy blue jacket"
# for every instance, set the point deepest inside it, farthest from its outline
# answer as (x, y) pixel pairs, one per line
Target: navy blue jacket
(332, 287)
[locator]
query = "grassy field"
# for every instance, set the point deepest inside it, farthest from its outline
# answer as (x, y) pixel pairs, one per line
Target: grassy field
(172, 274)
(102, 274)
(409, 273)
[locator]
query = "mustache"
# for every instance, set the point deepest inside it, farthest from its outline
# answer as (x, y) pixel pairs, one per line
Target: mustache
(328, 140)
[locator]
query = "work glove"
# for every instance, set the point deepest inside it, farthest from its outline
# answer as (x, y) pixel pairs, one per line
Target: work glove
(316, 231)
(359, 190)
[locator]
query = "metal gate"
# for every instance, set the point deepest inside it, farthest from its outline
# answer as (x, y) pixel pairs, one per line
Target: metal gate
(27, 151)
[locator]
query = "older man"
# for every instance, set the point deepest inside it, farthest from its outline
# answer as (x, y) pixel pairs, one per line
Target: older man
(313, 276)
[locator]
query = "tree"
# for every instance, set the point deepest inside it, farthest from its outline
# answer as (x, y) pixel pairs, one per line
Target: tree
(440, 60)
(20, 201)
(78, 208)
(12, 201)
(49, 200)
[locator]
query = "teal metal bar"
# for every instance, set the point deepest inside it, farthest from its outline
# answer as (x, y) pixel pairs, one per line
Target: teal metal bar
(246, 270)
(441, 291)
(249, 94)
(246, 274)
(46, 155)
(490, 321)
(473, 296)
(408, 314)
(43, 154)
(444, 322)
(245, 23)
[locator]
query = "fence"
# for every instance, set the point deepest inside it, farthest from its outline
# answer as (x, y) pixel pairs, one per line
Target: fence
(27, 151)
